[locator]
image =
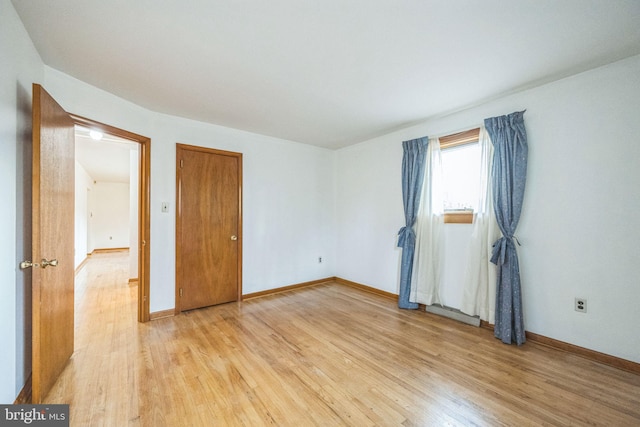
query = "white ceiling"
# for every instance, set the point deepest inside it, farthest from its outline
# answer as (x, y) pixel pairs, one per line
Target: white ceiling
(107, 160)
(332, 72)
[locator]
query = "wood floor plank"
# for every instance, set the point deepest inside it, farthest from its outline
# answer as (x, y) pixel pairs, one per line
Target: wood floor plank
(326, 355)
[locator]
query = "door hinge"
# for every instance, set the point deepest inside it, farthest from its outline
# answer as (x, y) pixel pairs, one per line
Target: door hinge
(181, 163)
(180, 292)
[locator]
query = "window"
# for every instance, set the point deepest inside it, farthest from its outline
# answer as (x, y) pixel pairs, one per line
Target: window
(460, 154)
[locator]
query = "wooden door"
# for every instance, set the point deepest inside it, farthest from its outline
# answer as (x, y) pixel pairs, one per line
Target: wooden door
(52, 240)
(208, 227)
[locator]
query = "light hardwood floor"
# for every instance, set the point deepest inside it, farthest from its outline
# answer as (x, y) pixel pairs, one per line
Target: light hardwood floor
(324, 355)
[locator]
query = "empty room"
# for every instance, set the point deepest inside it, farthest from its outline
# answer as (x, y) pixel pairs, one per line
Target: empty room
(327, 213)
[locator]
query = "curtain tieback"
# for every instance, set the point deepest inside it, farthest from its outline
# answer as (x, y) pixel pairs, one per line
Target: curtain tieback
(404, 234)
(500, 249)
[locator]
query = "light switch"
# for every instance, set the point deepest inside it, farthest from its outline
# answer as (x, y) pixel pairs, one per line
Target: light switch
(165, 207)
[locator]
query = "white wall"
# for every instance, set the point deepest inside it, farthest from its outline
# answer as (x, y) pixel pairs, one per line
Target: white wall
(104, 210)
(287, 206)
(19, 68)
(109, 205)
(369, 212)
(134, 161)
(83, 184)
(288, 191)
(579, 228)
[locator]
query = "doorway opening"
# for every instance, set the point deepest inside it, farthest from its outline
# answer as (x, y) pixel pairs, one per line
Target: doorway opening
(140, 201)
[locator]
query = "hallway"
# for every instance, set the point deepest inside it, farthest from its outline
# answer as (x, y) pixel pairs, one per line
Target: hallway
(100, 375)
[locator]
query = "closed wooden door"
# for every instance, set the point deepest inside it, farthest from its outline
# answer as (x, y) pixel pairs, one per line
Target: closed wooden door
(52, 241)
(208, 227)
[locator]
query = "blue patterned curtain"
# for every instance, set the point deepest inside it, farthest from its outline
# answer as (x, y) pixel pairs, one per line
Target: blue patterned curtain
(508, 178)
(413, 160)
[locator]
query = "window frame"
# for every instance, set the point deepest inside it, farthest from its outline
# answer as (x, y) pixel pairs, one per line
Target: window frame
(470, 136)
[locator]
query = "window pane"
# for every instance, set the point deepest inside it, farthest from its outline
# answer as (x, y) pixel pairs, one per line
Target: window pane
(461, 174)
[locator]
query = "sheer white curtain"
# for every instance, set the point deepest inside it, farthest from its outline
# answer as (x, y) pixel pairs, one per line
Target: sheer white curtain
(479, 294)
(427, 264)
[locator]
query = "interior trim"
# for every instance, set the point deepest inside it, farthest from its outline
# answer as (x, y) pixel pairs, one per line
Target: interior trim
(25, 394)
(366, 288)
(596, 356)
(460, 138)
(161, 314)
(82, 264)
(144, 204)
(107, 250)
(286, 288)
(462, 217)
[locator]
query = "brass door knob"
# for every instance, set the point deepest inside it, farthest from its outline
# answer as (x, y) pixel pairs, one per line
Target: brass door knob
(234, 237)
(53, 263)
(27, 264)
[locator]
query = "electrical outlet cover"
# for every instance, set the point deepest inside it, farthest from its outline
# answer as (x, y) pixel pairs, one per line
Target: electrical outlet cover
(581, 305)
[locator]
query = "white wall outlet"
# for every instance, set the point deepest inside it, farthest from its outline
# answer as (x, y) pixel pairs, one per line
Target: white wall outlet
(581, 305)
(319, 260)
(165, 207)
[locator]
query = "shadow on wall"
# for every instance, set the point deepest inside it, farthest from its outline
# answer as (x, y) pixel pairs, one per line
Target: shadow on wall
(24, 153)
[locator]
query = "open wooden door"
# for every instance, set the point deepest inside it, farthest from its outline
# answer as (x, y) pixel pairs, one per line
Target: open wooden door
(52, 240)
